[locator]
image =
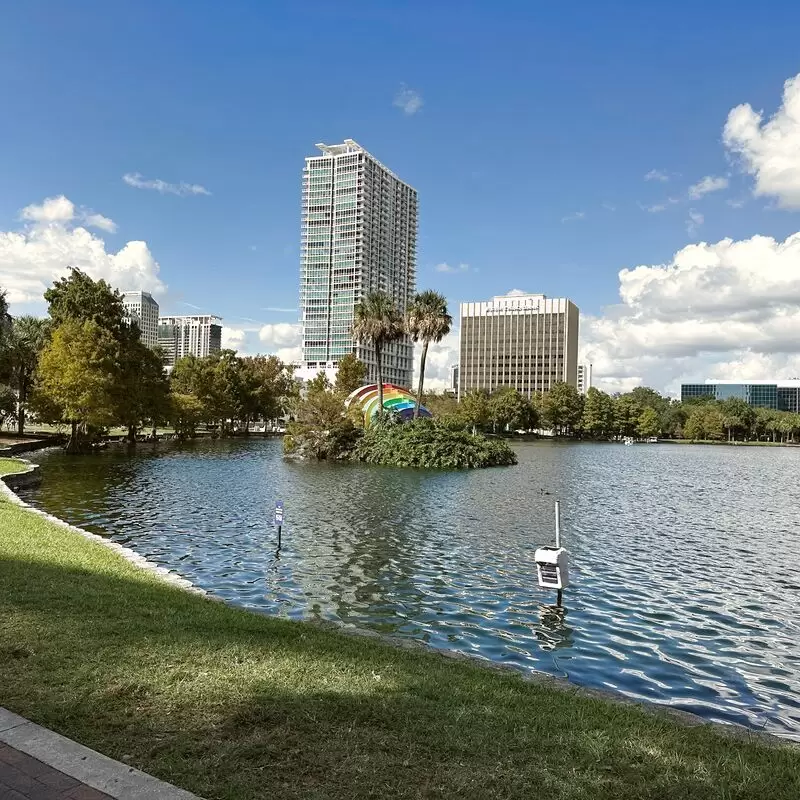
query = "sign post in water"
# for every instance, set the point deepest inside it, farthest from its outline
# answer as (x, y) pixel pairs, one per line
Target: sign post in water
(279, 518)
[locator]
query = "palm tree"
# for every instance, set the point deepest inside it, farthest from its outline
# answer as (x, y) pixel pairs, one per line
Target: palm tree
(377, 321)
(27, 337)
(427, 321)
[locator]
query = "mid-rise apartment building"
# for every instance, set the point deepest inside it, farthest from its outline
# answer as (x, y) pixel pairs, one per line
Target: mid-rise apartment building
(197, 335)
(359, 234)
(141, 308)
(526, 341)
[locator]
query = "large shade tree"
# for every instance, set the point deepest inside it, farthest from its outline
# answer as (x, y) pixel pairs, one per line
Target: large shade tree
(427, 321)
(377, 322)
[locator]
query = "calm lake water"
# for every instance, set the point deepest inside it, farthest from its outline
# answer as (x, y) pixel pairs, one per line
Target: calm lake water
(685, 560)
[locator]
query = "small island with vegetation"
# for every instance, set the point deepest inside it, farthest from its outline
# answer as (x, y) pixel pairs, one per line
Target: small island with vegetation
(332, 423)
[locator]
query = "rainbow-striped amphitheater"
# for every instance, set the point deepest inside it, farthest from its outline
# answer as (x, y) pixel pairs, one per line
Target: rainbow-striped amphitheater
(395, 399)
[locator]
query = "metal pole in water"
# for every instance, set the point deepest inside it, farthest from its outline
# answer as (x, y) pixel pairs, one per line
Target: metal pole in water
(558, 524)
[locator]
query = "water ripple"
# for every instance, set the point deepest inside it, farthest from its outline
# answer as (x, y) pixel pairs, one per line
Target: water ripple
(684, 560)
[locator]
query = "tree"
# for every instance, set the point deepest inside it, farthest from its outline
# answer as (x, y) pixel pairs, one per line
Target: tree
(737, 414)
(474, 409)
(8, 404)
(78, 374)
(649, 423)
(598, 413)
(562, 407)
(79, 297)
(507, 407)
(24, 342)
(267, 385)
(377, 322)
(321, 427)
(626, 415)
(185, 412)
(694, 428)
(319, 383)
(142, 393)
(350, 375)
(5, 320)
(427, 321)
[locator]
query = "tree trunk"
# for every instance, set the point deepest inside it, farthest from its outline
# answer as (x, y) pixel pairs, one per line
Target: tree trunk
(131, 434)
(380, 379)
(421, 377)
(247, 425)
(72, 445)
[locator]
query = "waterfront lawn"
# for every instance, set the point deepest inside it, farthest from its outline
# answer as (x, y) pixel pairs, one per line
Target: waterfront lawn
(235, 705)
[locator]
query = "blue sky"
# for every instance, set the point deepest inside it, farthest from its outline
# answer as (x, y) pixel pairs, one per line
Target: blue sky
(527, 129)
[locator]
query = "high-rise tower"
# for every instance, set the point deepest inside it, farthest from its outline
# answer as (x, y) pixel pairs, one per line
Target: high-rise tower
(359, 234)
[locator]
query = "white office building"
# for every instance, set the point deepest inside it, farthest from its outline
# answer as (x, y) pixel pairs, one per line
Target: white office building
(584, 378)
(196, 335)
(525, 341)
(141, 308)
(359, 234)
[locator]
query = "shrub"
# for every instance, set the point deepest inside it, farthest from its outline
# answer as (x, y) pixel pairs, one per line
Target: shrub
(425, 443)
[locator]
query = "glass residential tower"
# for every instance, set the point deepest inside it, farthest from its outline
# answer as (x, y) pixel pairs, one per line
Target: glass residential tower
(359, 234)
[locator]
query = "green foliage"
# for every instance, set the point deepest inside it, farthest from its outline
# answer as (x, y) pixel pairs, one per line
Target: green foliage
(24, 340)
(377, 321)
(598, 414)
(424, 443)
(8, 404)
(474, 409)
(321, 427)
(319, 383)
(427, 320)
(79, 374)
(351, 374)
(143, 389)
(626, 415)
(185, 413)
(648, 424)
(507, 408)
(562, 408)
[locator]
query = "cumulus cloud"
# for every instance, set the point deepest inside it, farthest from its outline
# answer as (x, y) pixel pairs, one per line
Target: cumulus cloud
(101, 222)
(441, 356)
(233, 338)
(182, 189)
(54, 240)
(729, 309)
(656, 175)
(770, 151)
(409, 101)
(711, 183)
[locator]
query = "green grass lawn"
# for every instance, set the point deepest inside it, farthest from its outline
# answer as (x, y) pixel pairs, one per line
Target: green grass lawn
(231, 704)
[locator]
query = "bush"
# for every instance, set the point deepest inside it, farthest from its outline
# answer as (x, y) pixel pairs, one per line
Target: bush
(425, 443)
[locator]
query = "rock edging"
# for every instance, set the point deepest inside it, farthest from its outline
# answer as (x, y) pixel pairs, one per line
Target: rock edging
(686, 718)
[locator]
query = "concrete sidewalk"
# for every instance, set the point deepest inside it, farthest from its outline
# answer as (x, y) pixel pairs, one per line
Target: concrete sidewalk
(38, 764)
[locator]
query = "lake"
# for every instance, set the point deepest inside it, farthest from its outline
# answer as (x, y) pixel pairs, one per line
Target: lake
(684, 559)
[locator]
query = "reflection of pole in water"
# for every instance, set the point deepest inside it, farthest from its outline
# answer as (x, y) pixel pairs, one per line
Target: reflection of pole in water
(553, 632)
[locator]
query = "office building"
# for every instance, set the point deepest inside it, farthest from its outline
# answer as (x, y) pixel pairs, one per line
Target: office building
(525, 341)
(198, 335)
(454, 378)
(359, 234)
(143, 310)
(584, 378)
(778, 395)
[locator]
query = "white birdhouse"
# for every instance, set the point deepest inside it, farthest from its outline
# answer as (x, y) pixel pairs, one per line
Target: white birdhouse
(552, 567)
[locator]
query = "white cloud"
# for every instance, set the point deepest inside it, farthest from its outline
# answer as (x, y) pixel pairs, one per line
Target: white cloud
(42, 251)
(101, 222)
(52, 209)
(656, 209)
(770, 151)
(281, 334)
(576, 215)
(729, 309)
(441, 356)
(696, 219)
(409, 101)
(515, 293)
(656, 175)
(233, 338)
(181, 189)
(452, 268)
(710, 183)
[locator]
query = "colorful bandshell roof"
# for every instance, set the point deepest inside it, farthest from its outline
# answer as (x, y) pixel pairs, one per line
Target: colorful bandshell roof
(395, 399)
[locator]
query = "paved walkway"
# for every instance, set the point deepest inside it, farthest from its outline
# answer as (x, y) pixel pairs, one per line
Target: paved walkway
(38, 764)
(23, 777)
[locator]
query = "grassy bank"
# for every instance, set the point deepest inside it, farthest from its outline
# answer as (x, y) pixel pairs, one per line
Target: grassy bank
(236, 705)
(727, 443)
